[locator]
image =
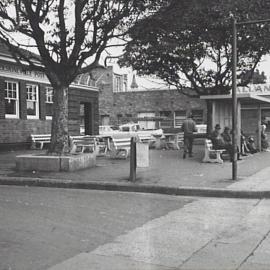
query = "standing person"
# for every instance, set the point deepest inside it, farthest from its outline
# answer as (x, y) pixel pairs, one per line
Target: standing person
(188, 127)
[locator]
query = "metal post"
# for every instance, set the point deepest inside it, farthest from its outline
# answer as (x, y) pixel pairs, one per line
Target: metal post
(234, 100)
(133, 162)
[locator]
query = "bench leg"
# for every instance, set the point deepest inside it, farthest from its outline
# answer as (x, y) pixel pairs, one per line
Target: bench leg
(217, 159)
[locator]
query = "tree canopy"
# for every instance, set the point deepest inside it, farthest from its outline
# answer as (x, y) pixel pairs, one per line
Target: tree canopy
(69, 37)
(188, 43)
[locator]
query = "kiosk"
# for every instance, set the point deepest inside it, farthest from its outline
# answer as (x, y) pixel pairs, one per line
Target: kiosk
(253, 107)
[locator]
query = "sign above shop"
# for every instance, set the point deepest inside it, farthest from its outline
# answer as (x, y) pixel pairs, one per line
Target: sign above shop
(259, 89)
(19, 72)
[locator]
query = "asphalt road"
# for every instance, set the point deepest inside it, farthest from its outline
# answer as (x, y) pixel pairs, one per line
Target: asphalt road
(40, 227)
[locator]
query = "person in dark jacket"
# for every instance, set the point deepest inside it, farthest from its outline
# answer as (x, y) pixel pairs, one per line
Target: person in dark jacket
(188, 127)
(223, 140)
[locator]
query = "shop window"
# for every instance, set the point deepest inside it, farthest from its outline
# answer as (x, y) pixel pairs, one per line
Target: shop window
(32, 101)
(49, 102)
(179, 117)
(197, 116)
(167, 121)
(11, 99)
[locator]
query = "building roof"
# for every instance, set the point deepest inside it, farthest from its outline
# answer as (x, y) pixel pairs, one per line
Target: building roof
(245, 97)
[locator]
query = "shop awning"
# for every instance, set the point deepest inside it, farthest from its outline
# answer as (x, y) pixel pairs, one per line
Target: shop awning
(243, 97)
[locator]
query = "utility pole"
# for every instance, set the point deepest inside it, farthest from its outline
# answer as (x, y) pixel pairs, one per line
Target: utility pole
(235, 134)
(234, 100)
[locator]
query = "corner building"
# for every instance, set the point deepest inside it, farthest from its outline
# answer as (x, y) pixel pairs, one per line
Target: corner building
(26, 99)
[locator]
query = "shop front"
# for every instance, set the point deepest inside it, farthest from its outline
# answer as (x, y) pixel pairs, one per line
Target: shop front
(253, 109)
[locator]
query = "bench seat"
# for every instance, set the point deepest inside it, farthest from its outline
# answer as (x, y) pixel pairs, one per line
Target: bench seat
(120, 147)
(40, 140)
(211, 155)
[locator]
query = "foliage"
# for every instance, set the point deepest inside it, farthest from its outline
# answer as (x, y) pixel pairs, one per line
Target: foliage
(257, 77)
(188, 43)
(70, 35)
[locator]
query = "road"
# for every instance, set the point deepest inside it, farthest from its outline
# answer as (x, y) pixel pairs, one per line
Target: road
(40, 227)
(57, 229)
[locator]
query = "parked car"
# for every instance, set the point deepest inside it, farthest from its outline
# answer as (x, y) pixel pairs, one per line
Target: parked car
(107, 130)
(135, 128)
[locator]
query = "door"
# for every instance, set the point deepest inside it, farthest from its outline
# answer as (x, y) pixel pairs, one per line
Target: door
(86, 118)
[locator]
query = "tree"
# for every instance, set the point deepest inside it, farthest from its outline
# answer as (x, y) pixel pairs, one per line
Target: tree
(70, 36)
(188, 43)
(256, 78)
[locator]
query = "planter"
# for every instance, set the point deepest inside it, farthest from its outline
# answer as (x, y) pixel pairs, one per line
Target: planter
(70, 163)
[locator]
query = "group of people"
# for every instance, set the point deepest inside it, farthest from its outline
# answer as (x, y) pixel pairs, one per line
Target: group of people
(221, 140)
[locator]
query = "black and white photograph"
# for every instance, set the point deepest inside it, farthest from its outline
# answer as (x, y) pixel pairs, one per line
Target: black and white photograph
(134, 134)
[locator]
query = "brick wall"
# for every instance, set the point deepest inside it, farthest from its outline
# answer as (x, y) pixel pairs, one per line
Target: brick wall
(13, 131)
(77, 96)
(131, 103)
(113, 104)
(19, 130)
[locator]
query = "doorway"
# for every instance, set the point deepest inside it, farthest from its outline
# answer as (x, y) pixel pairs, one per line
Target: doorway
(86, 118)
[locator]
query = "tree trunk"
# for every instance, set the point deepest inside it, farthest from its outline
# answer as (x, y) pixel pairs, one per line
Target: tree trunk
(209, 116)
(59, 133)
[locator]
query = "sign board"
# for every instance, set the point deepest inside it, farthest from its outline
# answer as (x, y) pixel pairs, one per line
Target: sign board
(259, 89)
(142, 155)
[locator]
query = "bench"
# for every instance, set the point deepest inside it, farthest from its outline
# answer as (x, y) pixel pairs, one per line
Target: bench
(211, 155)
(147, 138)
(120, 147)
(82, 143)
(174, 140)
(40, 139)
(180, 139)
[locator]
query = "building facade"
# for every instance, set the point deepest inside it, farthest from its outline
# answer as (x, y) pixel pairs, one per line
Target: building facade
(153, 108)
(26, 100)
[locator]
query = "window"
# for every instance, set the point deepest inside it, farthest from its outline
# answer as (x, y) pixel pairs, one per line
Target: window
(167, 119)
(49, 102)
(179, 117)
(146, 120)
(11, 99)
(32, 101)
(198, 116)
(117, 83)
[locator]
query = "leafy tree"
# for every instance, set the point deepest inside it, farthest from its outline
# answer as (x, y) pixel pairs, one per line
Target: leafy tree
(256, 78)
(188, 43)
(70, 36)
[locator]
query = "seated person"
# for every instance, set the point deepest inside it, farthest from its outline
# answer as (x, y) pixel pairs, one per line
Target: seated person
(251, 145)
(227, 136)
(219, 142)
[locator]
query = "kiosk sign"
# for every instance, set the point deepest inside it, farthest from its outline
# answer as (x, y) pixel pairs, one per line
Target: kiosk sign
(259, 89)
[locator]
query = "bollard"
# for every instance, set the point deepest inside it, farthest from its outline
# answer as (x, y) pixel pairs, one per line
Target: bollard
(133, 165)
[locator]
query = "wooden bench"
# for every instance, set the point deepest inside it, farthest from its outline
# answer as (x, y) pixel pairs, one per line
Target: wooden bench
(211, 155)
(82, 143)
(120, 147)
(146, 138)
(180, 139)
(40, 140)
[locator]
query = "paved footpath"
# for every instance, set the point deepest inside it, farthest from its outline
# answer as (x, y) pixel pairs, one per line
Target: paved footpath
(208, 234)
(167, 169)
